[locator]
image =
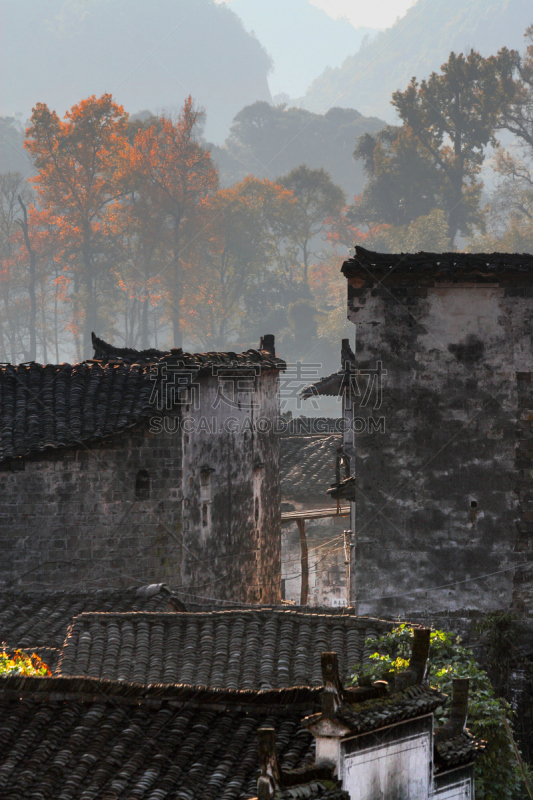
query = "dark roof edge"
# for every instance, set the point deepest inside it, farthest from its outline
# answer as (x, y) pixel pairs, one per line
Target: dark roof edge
(481, 268)
(264, 354)
(87, 689)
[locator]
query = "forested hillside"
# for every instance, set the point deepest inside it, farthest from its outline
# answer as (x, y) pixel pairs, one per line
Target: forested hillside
(148, 55)
(416, 45)
(268, 141)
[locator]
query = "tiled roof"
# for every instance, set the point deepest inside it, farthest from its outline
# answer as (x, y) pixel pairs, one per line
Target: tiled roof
(68, 687)
(407, 704)
(204, 362)
(61, 405)
(84, 747)
(312, 791)
(461, 749)
(482, 267)
(309, 426)
(345, 490)
(330, 386)
(307, 465)
(363, 716)
(40, 619)
(104, 351)
(255, 649)
(56, 406)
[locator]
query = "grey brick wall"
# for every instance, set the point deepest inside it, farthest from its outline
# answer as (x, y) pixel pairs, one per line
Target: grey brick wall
(72, 518)
(210, 526)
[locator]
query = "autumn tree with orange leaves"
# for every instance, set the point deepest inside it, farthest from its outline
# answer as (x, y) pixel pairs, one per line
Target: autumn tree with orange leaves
(239, 237)
(80, 162)
(130, 237)
(177, 173)
(142, 241)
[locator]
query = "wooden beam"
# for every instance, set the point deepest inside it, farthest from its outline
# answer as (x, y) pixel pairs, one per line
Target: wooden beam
(315, 513)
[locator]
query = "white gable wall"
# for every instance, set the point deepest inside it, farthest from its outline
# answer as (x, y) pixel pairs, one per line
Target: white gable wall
(395, 762)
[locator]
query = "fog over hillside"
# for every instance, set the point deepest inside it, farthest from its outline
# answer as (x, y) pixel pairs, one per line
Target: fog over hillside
(301, 38)
(418, 44)
(148, 55)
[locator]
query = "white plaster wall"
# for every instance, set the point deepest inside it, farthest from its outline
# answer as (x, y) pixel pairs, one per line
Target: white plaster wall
(399, 769)
(460, 790)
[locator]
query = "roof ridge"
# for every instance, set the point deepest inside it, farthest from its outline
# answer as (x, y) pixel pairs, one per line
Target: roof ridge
(175, 615)
(130, 692)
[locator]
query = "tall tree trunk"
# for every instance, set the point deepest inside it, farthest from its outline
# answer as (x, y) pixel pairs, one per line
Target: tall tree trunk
(31, 287)
(455, 212)
(91, 310)
(144, 324)
(306, 264)
(177, 294)
(3, 351)
(43, 323)
(56, 336)
(76, 302)
(457, 187)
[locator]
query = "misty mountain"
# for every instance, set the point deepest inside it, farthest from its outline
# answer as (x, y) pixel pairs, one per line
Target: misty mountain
(269, 141)
(302, 40)
(148, 55)
(418, 44)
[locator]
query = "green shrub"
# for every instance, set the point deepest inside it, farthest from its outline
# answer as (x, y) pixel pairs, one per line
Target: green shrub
(496, 771)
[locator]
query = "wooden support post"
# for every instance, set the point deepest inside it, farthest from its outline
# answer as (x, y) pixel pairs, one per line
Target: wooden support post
(304, 592)
(347, 558)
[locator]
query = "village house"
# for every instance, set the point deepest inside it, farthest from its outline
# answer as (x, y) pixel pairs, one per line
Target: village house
(438, 405)
(174, 704)
(378, 740)
(140, 464)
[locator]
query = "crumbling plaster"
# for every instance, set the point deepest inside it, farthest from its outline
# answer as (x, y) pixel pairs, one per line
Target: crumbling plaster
(437, 492)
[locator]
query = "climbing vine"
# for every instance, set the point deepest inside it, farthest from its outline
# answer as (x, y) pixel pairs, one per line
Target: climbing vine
(496, 772)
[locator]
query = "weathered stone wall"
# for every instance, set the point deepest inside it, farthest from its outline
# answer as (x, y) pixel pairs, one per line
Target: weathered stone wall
(71, 517)
(440, 492)
(231, 496)
(197, 510)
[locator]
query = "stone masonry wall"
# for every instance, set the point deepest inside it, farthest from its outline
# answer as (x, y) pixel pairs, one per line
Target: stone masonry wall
(440, 491)
(231, 496)
(71, 518)
(192, 499)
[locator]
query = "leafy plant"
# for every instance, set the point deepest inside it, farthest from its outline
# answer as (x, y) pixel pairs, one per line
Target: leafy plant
(20, 663)
(496, 771)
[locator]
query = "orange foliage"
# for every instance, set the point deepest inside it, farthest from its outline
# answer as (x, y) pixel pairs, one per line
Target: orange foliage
(177, 170)
(343, 233)
(82, 170)
(238, 235)
(176, 174)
